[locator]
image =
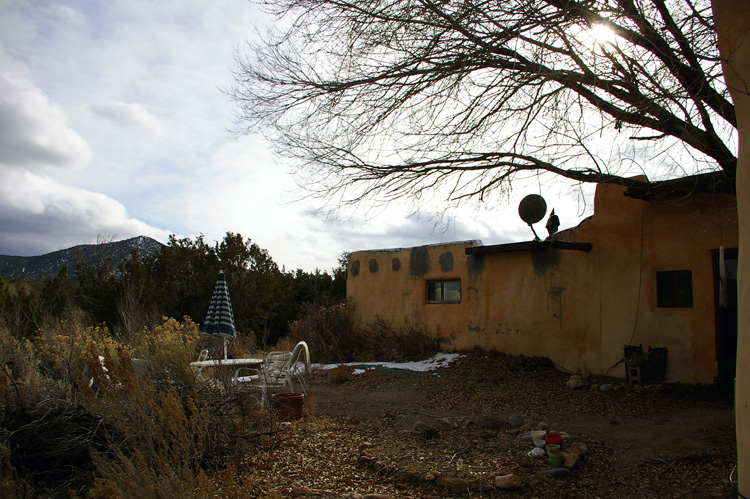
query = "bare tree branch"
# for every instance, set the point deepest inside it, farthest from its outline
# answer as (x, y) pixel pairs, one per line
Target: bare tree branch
(380, 99)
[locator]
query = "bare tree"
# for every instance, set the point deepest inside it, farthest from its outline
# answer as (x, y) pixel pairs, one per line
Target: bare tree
(379, 99)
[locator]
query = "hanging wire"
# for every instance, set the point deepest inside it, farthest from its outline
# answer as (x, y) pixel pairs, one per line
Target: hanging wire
(640, 290)
(731, 482)
(640, 276)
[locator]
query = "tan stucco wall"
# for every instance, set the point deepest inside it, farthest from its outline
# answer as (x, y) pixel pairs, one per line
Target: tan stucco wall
(577, 308)
(733, 27)
(378, 291)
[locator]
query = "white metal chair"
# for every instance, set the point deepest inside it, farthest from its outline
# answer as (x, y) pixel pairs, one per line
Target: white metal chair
(282, 367)
(273, 374)
(198, 370)
(279, 368)
(300, 354)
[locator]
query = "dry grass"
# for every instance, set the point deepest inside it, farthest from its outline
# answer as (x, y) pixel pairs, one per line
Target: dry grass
(78, 418)
(118, 432)
(340, 374)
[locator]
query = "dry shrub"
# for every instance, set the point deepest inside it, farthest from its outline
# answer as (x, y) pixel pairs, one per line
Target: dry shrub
(45, 432)
(171, 347)
(241, 346)
(340, 374)
(63, 346)
(154, 440)
(51, 442)
(328, 332)
(228, 483)
(45, 427)
(18, 365)
(333, 338)
(382, 341)
(103, 489)
(162, 443)
(286, 343)
(9, 488)
(141, 434)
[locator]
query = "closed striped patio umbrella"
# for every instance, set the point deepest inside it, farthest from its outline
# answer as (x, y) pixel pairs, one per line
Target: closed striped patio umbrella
(220, 319)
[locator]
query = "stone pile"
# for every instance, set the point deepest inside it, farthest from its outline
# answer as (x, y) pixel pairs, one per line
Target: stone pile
(514, 425)
(583, 381)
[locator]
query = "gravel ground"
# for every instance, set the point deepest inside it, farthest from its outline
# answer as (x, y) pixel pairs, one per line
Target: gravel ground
(394, 434)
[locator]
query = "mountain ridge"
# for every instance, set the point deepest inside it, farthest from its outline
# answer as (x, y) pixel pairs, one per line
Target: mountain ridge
(34, 268)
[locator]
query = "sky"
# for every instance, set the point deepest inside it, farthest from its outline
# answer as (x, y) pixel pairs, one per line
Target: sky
(114, 123)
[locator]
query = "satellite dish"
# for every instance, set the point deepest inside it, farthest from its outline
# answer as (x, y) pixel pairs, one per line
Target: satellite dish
(532, 208)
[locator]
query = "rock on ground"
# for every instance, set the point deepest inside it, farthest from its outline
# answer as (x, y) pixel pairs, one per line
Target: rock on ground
(516, 420)
(489, 421)
(558, 472)
(508, 482)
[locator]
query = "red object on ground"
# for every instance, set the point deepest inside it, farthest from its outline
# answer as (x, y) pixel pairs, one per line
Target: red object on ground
(554, 439)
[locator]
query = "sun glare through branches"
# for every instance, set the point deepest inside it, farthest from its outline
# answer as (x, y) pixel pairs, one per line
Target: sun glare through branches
(598, 34)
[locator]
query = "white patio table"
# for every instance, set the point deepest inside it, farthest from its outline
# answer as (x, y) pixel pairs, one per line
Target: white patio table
(235, 364)
(250, 362)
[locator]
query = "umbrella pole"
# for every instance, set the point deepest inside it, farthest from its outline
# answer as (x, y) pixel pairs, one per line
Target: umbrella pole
(225, 347)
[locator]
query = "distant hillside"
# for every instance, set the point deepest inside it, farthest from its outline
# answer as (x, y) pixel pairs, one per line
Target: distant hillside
(33, 268)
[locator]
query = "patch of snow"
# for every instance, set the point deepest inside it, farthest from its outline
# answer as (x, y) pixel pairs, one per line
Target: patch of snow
(435, 362)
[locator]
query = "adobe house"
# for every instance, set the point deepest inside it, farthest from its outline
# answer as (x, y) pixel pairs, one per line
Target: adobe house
(643, 270)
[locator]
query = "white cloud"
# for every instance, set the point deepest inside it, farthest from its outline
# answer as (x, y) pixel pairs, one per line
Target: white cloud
(38, 215)
(131, 116)
(34, 133)
(88, 86)
(40, 155)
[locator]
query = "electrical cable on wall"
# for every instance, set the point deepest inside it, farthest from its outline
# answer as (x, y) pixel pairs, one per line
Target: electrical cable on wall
(723, 296)
(640, 276)
(640, 288)
(734, 486)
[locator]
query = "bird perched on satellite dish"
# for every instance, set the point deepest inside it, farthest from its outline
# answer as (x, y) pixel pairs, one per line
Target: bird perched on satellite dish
(553, 223)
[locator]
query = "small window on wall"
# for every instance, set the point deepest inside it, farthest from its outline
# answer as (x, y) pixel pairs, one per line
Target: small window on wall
(444, 291)
(675, 289)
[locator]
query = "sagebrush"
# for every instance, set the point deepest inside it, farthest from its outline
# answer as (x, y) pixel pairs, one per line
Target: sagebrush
(333, 337)
(78, 417)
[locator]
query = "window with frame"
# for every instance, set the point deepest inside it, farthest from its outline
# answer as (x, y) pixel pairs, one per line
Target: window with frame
(674, 289)
(444, 291)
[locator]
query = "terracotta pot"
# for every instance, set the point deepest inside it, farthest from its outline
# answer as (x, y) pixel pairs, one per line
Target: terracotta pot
(288, 405)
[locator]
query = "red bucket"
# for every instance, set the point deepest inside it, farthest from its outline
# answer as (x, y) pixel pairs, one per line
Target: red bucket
(553, 439)
(288, 404)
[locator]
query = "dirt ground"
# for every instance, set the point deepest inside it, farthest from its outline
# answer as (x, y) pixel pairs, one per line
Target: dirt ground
(402, 434)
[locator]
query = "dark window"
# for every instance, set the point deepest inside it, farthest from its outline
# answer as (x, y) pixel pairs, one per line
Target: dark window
(675, 288)
(444, 291)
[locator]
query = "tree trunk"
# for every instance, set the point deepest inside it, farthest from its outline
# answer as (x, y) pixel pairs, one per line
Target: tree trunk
(732, 19)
